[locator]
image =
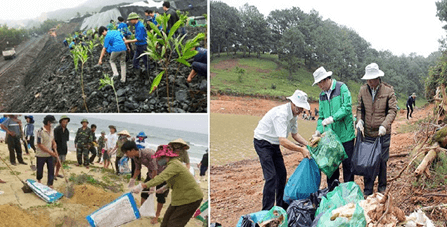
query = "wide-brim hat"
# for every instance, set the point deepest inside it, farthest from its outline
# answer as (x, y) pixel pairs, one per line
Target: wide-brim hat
(372, 71)
(142, 134)
(321, 74)
(414, 94)
(124, 132)
(84, 120)
(164, 150)
(180, 141)
(112, 126)
(133, 15)
(299, 98)
(31, 118)
(64, 117)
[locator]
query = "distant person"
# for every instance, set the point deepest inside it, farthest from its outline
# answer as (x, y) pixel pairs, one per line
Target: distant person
(174, 17)
(111, 25)
(101, 145)
(336, 113)
(114, 43)
(83, 141)
(316, 112)
(61, 137)
(124, 29)
(12, 127)
(111, 139)
(147, 20)
(271, 132)
(199, 65)
(29, 133)
(152, 17)
(72, 44)
(65, 43)
(92, 149)
(123, 137)
(46, 150)
(140, 42)
(411, 102)
(180, 147)
(203, 166)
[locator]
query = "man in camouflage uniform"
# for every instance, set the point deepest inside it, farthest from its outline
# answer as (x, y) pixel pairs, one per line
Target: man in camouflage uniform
(83, 141)
(101, 145)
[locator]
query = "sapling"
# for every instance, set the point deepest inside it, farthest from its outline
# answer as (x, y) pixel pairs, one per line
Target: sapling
(79, 53)
(108, 81)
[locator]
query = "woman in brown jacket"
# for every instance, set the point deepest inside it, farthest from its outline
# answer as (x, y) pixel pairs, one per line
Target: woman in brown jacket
(376, 110)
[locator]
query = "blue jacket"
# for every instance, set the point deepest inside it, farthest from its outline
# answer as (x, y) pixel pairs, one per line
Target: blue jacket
(153, 19)
(140, 34)
(71, 46)
(114, 42)
(122, 27)
(201, 56)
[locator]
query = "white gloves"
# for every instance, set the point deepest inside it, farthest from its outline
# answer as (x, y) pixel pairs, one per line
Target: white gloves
(316, 134)
(327, 121)
(138, 189)
(131, 183)
(382, 131)
(360, 127)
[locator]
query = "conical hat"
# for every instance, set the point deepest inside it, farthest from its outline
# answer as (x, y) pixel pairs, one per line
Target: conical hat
(124, 132)
(180, 141)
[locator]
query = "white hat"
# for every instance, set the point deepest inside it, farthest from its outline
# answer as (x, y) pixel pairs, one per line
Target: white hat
(320, 74)
(372, 71)
(299, 98)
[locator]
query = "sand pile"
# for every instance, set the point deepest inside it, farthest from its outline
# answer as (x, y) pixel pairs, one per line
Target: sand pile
(91, 196)
(12, 215)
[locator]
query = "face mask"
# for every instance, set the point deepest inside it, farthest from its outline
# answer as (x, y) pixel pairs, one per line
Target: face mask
(162, 162)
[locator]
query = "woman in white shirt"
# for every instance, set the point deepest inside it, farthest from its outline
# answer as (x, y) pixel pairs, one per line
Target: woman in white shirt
(111, 140)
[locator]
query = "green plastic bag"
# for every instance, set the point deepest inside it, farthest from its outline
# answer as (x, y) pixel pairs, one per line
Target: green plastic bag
(358, 219)
(343, 194)
(274, 213)
(329, 153)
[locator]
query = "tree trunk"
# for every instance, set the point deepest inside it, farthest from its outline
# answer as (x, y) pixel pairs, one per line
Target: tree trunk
(431, 155)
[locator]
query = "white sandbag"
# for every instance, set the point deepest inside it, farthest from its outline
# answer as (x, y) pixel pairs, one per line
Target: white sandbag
(121, 211)
(148, 207)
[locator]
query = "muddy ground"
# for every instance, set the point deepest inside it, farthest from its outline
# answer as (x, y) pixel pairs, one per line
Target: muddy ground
(99, 188)
(236, 186)
(44, 79)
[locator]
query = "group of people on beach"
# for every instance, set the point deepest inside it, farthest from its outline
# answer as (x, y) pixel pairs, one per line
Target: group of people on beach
(167, 167)
(376, 110)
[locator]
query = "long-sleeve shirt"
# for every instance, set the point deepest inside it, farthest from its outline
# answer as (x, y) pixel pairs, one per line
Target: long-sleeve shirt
(84, 136)
(61, 137)
(140, 34)
(111, 141)
(184, 187)
(29, 130)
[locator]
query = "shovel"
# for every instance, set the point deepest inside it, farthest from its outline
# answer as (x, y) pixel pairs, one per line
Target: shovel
(33, 167)
(69, 191)
(25, 188)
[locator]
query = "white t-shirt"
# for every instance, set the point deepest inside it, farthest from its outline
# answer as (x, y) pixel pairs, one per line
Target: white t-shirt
(277, 122)
(111, 141)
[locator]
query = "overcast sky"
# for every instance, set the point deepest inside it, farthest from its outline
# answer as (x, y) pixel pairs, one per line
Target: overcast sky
(400, 26)
(29, 9)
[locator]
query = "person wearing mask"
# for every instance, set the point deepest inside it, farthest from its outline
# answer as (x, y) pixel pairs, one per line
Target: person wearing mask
(336, 113)
(271, 133)
(376, 110)
(61, 137)
(186, 193)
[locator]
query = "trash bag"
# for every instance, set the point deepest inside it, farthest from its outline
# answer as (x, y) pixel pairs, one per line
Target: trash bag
(304, 181)
(247, 222)
(255, 217)
(148, 207)
(334, 219)
(301, 213)
(366, 157)
(329, 152)
(316, 197)
(345, 193)
(123, 165)
(276, 216)
(316, 220)
(215, 224)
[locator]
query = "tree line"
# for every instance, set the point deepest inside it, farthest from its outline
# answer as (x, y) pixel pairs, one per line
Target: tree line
(306, 40)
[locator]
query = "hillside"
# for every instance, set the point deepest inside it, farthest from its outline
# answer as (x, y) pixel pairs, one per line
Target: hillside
(267, 76)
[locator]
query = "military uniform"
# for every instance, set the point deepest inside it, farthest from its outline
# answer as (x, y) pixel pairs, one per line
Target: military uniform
(101, 145)
(83, 140)
(93, 149)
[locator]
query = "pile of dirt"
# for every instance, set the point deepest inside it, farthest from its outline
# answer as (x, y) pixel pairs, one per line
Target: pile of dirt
(53, 85)
(12, 216)
(91, 196)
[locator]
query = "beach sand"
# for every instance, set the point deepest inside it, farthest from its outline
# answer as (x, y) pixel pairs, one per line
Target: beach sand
(20, 209)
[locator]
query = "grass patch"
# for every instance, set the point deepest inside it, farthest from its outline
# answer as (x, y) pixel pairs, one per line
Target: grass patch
(16, 172)
(3, 168)
(89, 179)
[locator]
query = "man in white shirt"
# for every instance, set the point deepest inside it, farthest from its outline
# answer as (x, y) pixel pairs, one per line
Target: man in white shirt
(272, 131)
(111, 140)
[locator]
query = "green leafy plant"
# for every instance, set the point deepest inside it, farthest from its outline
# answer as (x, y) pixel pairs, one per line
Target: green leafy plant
(91, 46)
(79, 53)
(108, 81)
(169, 45)
(240, 72)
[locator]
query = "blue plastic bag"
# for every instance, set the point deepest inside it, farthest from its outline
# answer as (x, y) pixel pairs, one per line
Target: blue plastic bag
(255, 217)
(303, 182)
(123, 165)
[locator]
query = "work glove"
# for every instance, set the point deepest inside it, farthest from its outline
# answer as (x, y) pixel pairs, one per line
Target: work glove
(360, 127)
(161, 190)
(137, 189)
(131, 183)
(382, 131)
(316, 134)
(327, 121)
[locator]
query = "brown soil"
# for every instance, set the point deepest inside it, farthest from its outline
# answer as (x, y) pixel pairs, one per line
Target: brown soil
(236, 188)
(91, 196)
(230, 63)
(14, 216)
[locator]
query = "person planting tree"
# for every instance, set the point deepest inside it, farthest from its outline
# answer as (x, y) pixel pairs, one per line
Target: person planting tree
(140, 42)
(114, 43)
